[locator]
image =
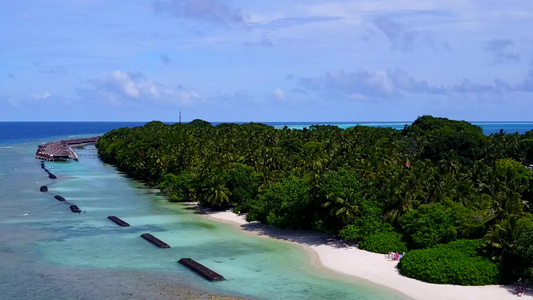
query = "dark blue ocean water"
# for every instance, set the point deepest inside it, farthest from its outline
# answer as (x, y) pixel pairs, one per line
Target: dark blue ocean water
(19, 132)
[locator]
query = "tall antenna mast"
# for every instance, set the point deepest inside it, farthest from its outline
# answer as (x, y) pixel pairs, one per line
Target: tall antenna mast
(180, 116)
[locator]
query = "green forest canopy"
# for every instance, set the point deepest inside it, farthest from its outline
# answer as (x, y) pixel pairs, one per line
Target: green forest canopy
(437, 188)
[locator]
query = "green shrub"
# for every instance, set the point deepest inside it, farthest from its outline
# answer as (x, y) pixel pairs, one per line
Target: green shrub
(370, 221)
(429, 225)
(458, 262)
(340, 199)
(442, 137)
(524, 252)
(367, 223)
(178, 188)
(383, 242)
(472, 222)
(243, 183)
(350, 233)
(286, 204)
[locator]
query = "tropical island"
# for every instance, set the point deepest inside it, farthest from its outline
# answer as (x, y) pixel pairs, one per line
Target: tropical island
(455, 201)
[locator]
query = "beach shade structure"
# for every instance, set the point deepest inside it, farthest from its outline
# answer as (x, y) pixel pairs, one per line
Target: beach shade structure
(59, 198)
(201, 269)
(152, 239)
(52, 176)
(43, 189)
(75, 209)
(118, 221)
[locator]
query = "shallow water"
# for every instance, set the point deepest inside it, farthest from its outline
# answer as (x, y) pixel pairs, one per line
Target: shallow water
(37, 229)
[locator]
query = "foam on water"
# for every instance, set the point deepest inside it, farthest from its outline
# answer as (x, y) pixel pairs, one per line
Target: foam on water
(254, 266)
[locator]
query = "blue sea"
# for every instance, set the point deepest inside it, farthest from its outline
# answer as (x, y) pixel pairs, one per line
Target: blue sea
(18, 132)
(13, 132)
(47, 252)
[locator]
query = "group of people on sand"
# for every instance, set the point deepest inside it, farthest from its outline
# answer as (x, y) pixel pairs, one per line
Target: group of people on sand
(395, 255)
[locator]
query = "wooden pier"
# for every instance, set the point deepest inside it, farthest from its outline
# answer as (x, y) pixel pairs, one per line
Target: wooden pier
(201, 269)
(152, 239)
(118, 221)
(62, 150)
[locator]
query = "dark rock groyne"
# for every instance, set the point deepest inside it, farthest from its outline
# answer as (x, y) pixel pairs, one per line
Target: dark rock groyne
(75, 209)
(152, 239)
(118, 221)
(201, 269)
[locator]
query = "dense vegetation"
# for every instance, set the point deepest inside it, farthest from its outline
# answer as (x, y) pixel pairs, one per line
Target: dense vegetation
(457, 199)
(457, 262)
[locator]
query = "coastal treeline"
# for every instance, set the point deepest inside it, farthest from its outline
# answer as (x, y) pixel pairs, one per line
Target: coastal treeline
(455, 200)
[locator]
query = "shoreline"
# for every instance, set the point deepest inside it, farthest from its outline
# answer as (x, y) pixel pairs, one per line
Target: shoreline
(334, 255)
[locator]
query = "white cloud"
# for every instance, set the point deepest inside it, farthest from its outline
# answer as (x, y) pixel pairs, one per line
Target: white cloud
(279, 94)
(125, 84)
(376, 84)
(40, 96)
(366, 84)
(120, 87)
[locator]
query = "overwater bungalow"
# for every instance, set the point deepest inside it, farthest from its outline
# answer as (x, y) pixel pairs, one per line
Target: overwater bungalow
(62, 150)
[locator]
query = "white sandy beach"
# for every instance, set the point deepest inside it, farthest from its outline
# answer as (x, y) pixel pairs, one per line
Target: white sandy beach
(373, 267)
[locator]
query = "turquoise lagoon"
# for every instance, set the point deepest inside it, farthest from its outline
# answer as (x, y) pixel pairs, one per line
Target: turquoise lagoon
(254, 267)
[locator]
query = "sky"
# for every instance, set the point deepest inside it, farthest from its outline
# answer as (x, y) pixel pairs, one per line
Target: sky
(278, 60)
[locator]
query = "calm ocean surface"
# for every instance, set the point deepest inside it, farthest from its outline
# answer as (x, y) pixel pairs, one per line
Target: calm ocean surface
(16, 132)
(46, 252)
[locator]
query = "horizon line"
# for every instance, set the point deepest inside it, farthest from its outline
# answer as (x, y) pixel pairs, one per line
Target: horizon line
(247, 122)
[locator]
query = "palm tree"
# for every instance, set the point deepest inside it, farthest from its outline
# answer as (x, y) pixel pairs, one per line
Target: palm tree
(501, 237)
(343, 206)
(215, 196)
